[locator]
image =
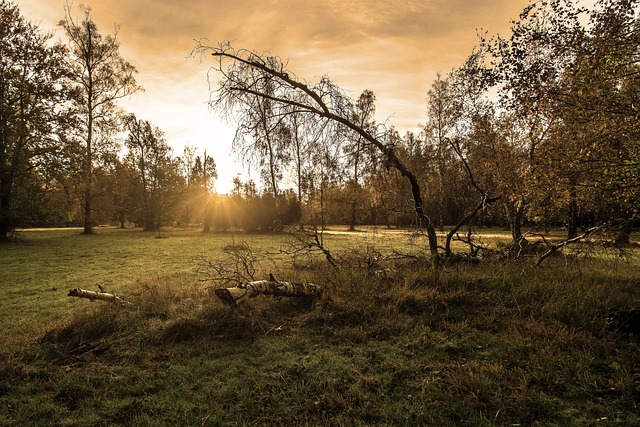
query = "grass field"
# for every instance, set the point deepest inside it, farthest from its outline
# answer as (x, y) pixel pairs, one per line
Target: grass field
(500, 343)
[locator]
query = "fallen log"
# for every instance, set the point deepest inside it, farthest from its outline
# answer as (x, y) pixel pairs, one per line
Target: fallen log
(92, 295)
(245, 291)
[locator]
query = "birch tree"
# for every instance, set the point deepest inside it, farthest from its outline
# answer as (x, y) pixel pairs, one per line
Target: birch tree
(245, 75)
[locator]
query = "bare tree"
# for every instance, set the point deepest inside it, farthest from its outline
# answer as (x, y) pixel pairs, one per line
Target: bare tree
(304, 139)
(246, 74)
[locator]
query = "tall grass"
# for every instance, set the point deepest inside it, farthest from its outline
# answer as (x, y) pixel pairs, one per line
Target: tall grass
(489, 344)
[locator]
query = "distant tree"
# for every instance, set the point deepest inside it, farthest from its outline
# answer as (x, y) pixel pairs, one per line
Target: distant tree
(322, 175)
(155, 180)
(263, 139)
(443, 111)
(355, 148)
(209, 173)
(100, 76)
(119, 192)
(304, 137)
(462, 117)
(32, 114)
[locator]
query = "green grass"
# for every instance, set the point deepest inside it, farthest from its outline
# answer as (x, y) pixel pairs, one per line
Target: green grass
(494, 344)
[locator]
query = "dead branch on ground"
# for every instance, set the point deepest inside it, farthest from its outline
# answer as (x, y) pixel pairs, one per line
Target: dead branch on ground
(92, 295)
(239, 265)
(312, 239)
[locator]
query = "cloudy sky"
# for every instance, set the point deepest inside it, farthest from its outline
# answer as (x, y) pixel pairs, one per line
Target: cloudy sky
(394, 47)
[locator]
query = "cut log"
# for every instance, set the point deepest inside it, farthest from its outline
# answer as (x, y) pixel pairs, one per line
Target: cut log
(242, 293)
(102, 296)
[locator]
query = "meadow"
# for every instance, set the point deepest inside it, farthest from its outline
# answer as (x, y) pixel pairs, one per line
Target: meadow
(390, 342)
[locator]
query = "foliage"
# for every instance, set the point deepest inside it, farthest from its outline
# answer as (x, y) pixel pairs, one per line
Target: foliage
(99, 76)
(154, 181)
(32, 115)
(574, 71)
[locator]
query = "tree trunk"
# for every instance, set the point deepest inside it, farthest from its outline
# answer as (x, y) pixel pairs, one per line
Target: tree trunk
(572, 227)
(148, 222)
(88, 178)
(245, 291)
(465, 220)
(624, 235)
(88, 229)
(122, 219)
(515, 216)
(352, 222)
(207, 216)
(6, 223)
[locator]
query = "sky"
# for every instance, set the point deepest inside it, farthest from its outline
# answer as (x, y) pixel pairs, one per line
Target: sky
(394, 48)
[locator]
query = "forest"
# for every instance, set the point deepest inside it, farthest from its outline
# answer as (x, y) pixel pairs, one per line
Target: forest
(539, 130)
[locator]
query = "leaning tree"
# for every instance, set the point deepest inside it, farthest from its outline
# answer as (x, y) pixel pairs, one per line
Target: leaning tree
(246, 75)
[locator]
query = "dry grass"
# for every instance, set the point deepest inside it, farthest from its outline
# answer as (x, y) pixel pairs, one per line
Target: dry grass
(494, 344)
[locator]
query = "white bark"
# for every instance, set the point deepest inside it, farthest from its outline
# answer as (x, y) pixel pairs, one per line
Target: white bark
(242, 292)
(92, 295)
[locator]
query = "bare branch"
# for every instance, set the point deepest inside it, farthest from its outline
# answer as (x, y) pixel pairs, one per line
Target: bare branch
(561, 245)
(250, 75)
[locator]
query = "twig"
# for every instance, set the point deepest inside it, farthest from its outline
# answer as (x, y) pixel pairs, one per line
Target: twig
(313, 240)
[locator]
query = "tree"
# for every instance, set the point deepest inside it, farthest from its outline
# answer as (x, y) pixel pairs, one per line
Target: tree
(461, 117)
(249, 75)
(363, 116)
(303, 139)
(119, 192)
(577, 71)
(263, 138)
(443, 110)
(155, 179)
(32, 114)
(100, 77)
(322, 175)
(205, 176)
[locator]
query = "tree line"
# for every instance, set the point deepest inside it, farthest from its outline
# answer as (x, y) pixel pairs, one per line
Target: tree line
(68, 154)
(539, 128)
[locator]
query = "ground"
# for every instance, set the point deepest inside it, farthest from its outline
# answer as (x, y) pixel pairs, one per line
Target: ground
(500, 343)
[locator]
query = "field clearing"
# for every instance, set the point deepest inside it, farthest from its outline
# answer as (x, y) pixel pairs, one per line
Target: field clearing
(39, 270)
(495, 344)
